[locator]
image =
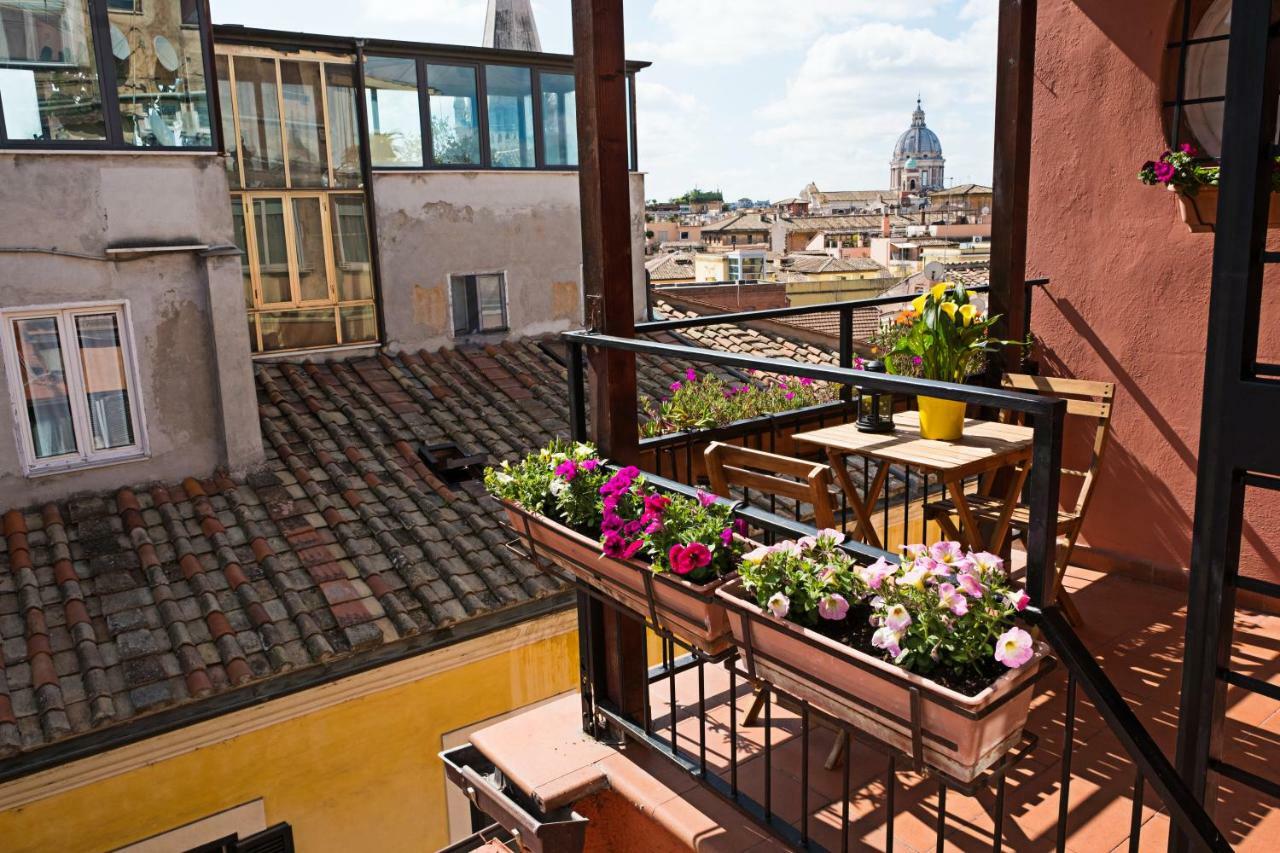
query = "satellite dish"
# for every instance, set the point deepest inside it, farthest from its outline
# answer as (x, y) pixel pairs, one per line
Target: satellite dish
(165, 53)
(120, 47)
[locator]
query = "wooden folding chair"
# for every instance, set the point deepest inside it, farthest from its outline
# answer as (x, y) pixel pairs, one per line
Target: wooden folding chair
(729, 465)
(1089, 400)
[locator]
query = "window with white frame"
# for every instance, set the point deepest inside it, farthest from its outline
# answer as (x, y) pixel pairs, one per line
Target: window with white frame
(73, 381)
(479, 303)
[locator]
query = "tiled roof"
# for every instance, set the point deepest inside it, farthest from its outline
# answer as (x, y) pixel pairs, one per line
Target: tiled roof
(854, 195)
(672, 266)
(866, 322)
(114, 606)
(739, 222)
(851, 222)
(962, 189)
(826, 263)
(747, 339)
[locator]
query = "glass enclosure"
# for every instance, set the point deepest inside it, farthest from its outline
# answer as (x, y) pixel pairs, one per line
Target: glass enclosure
(559, 119)
(455, 118)
(391, 99)
(160, 73)
(49, 84)
(510, 104)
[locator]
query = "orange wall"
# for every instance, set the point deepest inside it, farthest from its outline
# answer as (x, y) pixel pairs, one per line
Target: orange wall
(1129, 294)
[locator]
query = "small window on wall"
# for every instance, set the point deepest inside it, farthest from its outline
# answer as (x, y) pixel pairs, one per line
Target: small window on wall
(72, 375)
(479, 303)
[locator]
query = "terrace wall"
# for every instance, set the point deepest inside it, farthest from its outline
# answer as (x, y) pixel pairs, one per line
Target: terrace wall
(187, 310)
(432, 225)
(1130, 285)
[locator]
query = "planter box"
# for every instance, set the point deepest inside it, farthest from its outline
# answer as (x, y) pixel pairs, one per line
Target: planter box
(959, 735)
(1200, 211)
(684, 460)
(689, 611)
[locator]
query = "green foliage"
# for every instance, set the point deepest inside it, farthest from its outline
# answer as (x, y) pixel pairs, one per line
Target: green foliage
(797, 578)
(706, 401)
(941, 336)
(547, 484)
(695, 196)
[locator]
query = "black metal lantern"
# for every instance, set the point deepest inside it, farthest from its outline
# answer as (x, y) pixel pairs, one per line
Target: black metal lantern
(875, 408)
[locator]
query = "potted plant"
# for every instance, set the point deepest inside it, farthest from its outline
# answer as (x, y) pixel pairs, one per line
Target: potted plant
(924, 655)
(1195, 182)
(940, 337)
(662, 556)
(706, 402)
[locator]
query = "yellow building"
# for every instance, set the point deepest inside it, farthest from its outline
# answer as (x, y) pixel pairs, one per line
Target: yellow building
(814, 279)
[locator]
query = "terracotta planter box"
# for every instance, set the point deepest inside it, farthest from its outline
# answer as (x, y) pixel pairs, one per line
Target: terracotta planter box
(689, 611)
(959, 735)
(685, 461)
(1200, 211)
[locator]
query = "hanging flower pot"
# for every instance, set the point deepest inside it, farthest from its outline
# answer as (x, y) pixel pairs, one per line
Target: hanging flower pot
(1200, 210)
(1195, 180)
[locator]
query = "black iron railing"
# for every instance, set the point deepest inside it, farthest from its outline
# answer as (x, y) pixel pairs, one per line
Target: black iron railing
(664, 733)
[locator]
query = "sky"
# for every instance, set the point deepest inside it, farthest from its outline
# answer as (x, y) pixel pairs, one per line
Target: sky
(755, 98)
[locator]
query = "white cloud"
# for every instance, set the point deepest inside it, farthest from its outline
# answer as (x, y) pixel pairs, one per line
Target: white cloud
(725, 32)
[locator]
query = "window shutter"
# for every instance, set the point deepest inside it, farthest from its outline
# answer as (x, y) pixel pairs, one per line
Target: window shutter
(277, 839)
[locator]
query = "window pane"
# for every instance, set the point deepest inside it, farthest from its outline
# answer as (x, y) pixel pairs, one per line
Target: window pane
(163, 102)
(344, 127)
(489, 299)
(358, 324)
(351, 248)
(395, 124)
(273, 249)
(455, 120)
(559, 119)
(44, 386)
(461, 303)
(308, 231)
(304, 124)
(237, 219)
(222, 64)
(106, 386)
(258, 99)
(48, 77)
(631, 127)
(298, 329)
(510, 104)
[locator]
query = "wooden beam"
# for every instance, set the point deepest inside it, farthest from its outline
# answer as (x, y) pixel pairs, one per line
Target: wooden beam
(1015, 77)
(604, 184)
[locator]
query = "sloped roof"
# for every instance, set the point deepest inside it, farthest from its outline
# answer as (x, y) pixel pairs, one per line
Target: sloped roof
(962, 189)
(855, 195)
(739, 222)
(827, 264)
(670, 267)
(849, 222)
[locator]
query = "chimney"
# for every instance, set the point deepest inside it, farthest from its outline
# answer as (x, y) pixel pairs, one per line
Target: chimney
(509, 25)
(885, 230)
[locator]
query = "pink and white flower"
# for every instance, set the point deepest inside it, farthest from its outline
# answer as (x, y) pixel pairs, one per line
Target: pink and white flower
(807, 542)
(830, 537)
(896, 618)
(1014, 648)
(969, 585)
(888, 639)
(986, 562)
(757, 554)
(949, 553)
(950, 598)
(915, 576)
(779, 605)
(912, 552)
(833, 606)
(1019, 599)
(874, 574)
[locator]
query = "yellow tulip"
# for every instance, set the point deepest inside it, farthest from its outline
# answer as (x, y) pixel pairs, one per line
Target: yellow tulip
(949, 308)
(917, 304)
(967, 313)
(939, 289)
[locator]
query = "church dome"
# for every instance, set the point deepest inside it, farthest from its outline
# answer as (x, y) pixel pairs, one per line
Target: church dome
(917, 140)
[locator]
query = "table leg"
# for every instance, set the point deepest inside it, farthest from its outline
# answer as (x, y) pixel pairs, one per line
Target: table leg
(1010, 502)
(865, 530)
(972, 536)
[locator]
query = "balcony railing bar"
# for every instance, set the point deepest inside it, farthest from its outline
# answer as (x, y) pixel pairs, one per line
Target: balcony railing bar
(1258, 585)
(1248, 682)
(1244, 777)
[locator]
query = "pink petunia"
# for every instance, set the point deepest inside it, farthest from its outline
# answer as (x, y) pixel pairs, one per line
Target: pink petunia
(887, 639)
(691, 375)
(698, 555)
(969, 585)
(676, 557)
(896, 618)
(706, 498)
(874, 574)
(947, 552)
(1019, 599)
(676, 386)
(567, 470)
(951, 599)
(726, 536)
(1014, 648)
(833, 606)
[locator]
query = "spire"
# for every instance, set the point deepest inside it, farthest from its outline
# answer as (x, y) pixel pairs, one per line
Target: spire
(509, 25)
(917, 117)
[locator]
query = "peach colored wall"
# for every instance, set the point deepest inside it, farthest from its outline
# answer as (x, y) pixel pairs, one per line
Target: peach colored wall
(1129, 294)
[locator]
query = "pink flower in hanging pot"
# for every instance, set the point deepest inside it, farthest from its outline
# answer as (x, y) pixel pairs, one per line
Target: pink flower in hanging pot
(833, 607)
(779, 605)
(1014, 648)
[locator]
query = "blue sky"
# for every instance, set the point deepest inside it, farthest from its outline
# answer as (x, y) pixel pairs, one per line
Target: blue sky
(752, 97)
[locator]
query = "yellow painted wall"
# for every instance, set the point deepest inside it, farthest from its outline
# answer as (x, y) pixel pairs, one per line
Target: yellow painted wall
(708, 268)
(833, 287)
(356, 776)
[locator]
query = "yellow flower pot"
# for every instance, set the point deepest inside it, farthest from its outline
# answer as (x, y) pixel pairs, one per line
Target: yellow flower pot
(942, 420)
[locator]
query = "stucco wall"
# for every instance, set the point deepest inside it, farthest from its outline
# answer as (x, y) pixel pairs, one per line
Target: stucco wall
(432, 225)
(187, 310)
(1129, 295)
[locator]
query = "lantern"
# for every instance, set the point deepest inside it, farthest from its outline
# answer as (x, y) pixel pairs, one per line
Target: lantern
(875, 408)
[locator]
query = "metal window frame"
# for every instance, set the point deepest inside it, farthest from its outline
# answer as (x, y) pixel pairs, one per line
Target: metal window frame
(428, 134)
(99, 34)
(472, 288)
(84, 456)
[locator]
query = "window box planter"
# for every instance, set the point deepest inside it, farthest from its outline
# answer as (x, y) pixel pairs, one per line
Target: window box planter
(960, 736)
(689, 611)
(1200, 211)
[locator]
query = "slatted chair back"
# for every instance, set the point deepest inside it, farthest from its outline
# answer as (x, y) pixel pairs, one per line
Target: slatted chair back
(1085, 399)
(729, 465)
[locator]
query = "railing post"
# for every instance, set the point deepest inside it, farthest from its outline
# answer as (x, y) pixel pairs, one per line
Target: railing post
(846, 348)
(577, 393)
(1045, 478)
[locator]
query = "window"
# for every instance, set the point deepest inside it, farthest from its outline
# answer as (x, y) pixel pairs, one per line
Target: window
(71, 373)
(559, 119)
(395, 123)
(344, 125)
(49, 85)
(162, 94)
(510, 105)
(304, 126)
(455, 118)
(479, 303)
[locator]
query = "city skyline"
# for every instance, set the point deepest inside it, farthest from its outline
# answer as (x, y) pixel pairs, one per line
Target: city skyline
(832, 83)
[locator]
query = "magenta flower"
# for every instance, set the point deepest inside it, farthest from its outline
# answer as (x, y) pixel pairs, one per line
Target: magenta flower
(706, 498)
(790, 395)
(833, 607)
(568, 469)
(740, 526)
(589, 464)
(1014, 648)
(1164, 171)
(691, 375)
(676, 386)
(1188, 149)
(1019, 599)
(806, 381)
(726, 536)
(656, 504)
(686, 558)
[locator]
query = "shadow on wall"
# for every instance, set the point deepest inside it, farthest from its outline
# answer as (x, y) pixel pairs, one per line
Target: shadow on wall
(1137, 28)
(1167, 537)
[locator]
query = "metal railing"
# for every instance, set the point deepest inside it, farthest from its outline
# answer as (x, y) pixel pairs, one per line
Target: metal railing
(1045, 416)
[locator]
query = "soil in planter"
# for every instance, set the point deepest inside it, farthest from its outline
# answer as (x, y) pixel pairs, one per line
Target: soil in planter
(855, 630)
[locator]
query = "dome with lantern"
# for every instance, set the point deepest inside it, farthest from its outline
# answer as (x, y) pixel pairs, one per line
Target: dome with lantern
(917, 164)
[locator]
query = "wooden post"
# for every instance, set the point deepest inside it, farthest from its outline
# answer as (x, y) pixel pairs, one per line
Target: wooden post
(1015, 76)
(605, 189)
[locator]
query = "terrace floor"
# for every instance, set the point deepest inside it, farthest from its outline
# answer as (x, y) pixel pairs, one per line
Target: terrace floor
(1134, 628)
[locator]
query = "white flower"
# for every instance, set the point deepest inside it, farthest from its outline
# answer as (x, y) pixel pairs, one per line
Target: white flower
(757, 555)
(779, 605)
(558, 486)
